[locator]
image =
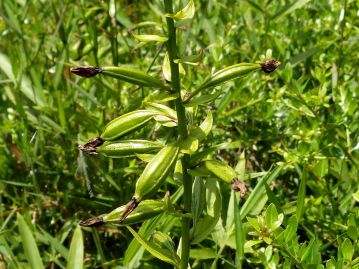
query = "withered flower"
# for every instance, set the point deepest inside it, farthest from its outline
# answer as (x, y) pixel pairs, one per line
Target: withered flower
(86, 71)
(270, 65)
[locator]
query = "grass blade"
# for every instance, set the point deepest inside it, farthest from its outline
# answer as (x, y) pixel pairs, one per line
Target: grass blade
(153, 249)
(258, 191)
(76, 253)
(28, 242)
(290, 8)
(301, 193)
(239, 236)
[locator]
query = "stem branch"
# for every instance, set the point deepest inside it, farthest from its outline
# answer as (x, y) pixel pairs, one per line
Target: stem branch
(182, 131)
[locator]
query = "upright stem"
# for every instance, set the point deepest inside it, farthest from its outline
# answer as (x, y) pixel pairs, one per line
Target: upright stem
(182, 131)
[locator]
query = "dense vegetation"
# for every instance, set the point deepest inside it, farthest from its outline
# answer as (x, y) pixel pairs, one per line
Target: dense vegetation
(292, 135)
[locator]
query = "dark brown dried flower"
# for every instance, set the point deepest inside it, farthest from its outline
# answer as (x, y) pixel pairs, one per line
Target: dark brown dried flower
(239, 186)
(90, 147)
(270, 65)
(93, 222)
(86, 71)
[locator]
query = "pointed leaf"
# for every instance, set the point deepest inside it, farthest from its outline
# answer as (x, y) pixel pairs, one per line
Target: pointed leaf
(347, 249)
(198, 199)
(28, 242)
(76, 252)
(150, 38)
(256, 195)
(291, 229)
(153, 249)
(165, 243)
(271, 216)
(214, 204)
(186, 13)
(290, 8)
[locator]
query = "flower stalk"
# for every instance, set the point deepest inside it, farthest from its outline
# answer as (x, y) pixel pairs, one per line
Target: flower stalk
(182, 131)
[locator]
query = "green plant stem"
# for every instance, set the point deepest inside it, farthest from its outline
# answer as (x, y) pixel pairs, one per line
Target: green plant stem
(182, 131)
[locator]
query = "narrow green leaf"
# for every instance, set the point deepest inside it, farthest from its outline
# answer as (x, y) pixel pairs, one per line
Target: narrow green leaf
(28, 242)
(271, 216)
(203, 99)
(221, 170)
(186, 13)
(347, 250)
(203, 254)
(150, 38)
(153, 249)
(135, 251)
(254, 223)
(239, 236)
(214, 205)
(193, 59)
(165, 110)
(352, 232)
(24, 84)
(198, 199)
(356, 196)
(191, 143)
(166, 68)
(301, 193)
(291, 229)
(259, 190)
(206, 125)
(76, 252)
(290, 8)
(307, 250)
(165, 243)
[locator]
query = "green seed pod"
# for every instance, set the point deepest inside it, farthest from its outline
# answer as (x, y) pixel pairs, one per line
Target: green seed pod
(229, 73)
(153, 176)
(226, 173)
(146, 210)
(156, 172)
(126, 123)
(130, 75)
(123, 148)
(133, 76)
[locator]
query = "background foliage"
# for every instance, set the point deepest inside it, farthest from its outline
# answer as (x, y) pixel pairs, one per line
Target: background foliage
(305, 116)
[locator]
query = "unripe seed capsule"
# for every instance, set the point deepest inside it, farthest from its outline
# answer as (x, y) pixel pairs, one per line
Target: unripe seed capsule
(229, 73)
(130, 75)
(133, 76)
(156, 172)
(126, 123)
(153, 176)
(146, 210)
(123, 148)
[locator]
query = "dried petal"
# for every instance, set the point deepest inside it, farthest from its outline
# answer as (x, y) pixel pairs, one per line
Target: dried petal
(270, 65)
(239, 186)
(86, 71)
(90, 147)
(92, 222)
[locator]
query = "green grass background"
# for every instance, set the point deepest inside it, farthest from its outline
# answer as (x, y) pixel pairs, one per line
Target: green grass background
(304, 115)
